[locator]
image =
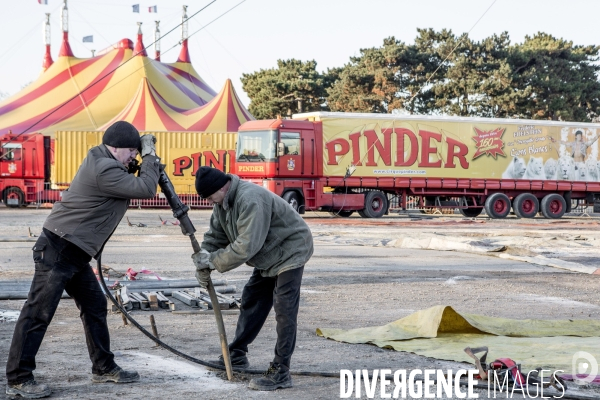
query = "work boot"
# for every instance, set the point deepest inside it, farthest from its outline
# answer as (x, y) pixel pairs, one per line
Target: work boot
(29, 390)
(276, 377)
(238, 359)
(117, 375)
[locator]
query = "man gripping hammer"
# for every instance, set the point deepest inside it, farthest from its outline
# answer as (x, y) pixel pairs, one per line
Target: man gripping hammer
(251, 225)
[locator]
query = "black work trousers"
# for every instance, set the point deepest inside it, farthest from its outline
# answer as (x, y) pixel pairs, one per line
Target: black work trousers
(258, 297)
(59, 265)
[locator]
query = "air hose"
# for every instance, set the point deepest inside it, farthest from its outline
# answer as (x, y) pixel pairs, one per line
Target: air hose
(186, 356)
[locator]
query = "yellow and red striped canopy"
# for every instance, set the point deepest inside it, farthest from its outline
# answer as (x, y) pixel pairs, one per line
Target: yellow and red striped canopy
(85, 94)
(148, 111)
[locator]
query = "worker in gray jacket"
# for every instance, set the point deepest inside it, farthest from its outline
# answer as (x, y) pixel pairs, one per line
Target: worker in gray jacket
(251, 225)
(75, 231)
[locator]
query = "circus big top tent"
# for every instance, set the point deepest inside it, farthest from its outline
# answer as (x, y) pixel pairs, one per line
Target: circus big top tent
(75, 99)
(121, 84)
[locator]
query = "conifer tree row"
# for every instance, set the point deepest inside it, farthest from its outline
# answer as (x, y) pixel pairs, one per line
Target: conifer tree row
(542, 78)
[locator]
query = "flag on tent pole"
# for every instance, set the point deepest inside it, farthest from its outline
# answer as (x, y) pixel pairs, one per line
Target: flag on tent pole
(43, 1)
(136, 8)
(152, 9)
(89, 39)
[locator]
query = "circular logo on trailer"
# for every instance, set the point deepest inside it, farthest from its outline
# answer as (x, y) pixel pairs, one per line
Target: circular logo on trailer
(12, 168)
(291, 164)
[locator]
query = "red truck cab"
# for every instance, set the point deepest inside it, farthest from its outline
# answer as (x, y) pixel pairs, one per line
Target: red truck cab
(25, 162)
(285, 157)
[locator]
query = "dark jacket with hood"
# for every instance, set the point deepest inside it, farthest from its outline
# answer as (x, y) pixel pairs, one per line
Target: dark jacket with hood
(97, 199)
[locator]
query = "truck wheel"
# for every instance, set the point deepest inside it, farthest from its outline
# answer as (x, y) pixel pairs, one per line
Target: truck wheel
(292, 199)
(470, 212)
(13, 197)
(526, 205)
(376, 204)
(497, 205)
(342, 213)
(553, 206)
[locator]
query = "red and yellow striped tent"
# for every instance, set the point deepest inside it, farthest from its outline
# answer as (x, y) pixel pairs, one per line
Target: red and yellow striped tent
(148, 111)
(86, 94)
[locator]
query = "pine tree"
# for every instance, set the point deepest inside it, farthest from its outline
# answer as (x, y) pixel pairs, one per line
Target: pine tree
(562, 79)
(294, 86)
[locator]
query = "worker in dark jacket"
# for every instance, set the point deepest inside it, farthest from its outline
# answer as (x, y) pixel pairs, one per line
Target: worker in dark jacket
(251, 225)
(75, 231)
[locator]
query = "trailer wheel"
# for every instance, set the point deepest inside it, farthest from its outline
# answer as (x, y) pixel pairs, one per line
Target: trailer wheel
(526, 205)
(292, 199)
(470, 212)
(342, 213)
(14, 198)
(553, 206)
(376, 204)
(497, 205)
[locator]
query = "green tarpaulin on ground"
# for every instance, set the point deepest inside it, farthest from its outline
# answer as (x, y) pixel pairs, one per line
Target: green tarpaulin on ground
(441, 332)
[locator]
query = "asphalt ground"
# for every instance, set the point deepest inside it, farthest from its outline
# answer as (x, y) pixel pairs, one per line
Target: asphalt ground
(354, 279)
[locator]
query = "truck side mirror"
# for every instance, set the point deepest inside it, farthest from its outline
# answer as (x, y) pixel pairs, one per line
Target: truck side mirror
(280, 149)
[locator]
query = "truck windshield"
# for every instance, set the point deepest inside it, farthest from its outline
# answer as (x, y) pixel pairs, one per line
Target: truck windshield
(10, 152)
(256, 146)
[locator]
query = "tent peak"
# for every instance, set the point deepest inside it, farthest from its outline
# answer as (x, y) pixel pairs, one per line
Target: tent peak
(47, 57)
(125, 44)
(65, 48)
(184, 54)
(139, 45)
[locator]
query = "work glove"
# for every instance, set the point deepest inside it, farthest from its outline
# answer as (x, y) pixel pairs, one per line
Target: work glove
(203, 267)
(134, 167)
(203, 276)
(148, 147)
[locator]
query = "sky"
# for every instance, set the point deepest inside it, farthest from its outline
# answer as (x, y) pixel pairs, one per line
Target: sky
(256, 33)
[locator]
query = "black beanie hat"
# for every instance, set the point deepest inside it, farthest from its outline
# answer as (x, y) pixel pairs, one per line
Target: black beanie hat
(209, 180)
(122, 135)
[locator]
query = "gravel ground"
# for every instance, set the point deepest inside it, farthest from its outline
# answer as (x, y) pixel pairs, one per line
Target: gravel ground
(355, 279)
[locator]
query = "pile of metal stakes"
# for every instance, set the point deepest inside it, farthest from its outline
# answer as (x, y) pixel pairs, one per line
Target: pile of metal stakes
(179, 297)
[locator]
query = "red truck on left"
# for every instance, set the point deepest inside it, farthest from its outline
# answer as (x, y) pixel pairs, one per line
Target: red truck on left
(25, 163)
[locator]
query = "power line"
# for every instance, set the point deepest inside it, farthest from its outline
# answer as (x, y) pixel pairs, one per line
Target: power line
(148, 61)
(449, 54)
(226, 12)
(114, 69)
(26, 36)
